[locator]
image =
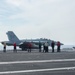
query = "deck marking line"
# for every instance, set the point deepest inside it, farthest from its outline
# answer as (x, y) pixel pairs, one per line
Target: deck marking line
(38, 70)
(36, 61)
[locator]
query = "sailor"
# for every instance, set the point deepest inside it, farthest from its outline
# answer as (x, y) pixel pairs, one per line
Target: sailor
(14, 47)
(43, 47)
(52, 45)
(39, 46)
(46, 46)
(58, 46)
(29, 47)
(4, 50)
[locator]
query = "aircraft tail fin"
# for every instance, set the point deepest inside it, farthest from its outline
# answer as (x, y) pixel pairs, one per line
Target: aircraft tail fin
(12, 37)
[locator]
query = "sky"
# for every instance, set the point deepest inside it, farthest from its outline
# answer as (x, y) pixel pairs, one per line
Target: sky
(30, 19)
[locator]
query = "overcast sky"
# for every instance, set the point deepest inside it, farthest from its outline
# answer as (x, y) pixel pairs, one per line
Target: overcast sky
(52, 19)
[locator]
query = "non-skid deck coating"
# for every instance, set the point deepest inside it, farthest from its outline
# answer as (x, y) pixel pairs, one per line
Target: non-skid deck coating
(34, 63)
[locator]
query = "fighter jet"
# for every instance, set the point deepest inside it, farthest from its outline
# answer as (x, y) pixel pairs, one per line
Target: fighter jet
(22, 43)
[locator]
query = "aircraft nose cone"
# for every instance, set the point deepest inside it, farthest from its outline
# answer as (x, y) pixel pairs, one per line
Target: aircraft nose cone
(2, 42)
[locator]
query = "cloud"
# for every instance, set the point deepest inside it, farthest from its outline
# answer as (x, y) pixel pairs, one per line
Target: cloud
(14, 2)
(52, 19)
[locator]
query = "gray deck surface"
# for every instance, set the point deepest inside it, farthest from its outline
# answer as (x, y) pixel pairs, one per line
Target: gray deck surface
(36, 63)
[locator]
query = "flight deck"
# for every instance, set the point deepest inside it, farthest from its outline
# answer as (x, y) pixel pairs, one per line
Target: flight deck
(34, 63)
